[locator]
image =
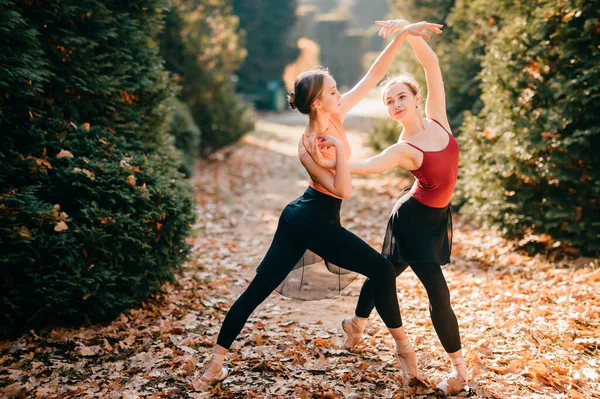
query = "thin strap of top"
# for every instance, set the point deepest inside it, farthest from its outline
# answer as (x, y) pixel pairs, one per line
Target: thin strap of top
(412, 145)
(446, 130)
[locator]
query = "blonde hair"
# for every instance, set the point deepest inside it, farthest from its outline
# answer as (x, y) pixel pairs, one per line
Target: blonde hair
(307, 88)
(405, 78)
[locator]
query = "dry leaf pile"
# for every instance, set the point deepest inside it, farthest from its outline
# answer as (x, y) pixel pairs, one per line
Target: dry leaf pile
(530, 328)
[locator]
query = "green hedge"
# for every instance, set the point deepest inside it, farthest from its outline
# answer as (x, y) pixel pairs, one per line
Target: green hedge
(93, 211)
(268, 28)
(186, 134)
(530, 163)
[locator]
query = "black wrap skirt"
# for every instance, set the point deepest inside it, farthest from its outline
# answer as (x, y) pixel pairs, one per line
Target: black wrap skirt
(313, 277)
(417, 233)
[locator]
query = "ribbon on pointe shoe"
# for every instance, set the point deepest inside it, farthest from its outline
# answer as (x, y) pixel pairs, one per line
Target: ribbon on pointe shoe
(405, 353)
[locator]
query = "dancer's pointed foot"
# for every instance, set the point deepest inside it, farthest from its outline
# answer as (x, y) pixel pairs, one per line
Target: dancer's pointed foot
(354, 328)
(215, 371)
(407, 358)
(454, 384)
(458, 380)
(212, 378)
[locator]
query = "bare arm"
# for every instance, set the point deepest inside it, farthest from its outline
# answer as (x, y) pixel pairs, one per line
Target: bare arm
(373, 75)
(395, 155)
(339, 183)
(381, 66)
(436, 97)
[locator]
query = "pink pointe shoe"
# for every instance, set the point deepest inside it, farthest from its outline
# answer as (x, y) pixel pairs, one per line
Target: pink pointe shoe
(211, 376)
(456, 382)
(407, 359)
(354, 328)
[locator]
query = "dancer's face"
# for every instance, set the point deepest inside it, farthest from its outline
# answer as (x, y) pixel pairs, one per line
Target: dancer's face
(400, 101)
(330, 100)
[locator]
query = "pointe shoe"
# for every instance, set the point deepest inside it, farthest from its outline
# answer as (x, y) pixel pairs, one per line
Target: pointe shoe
(409, 379)
(212, 378)
(353, 332)
(454, 384)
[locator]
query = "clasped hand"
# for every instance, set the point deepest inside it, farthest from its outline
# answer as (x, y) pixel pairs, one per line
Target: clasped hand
(313, 143)
(416, 29)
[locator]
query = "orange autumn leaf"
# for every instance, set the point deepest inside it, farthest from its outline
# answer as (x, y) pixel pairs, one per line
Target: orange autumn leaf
(64, 154)
(131, 180)
(61, 226)
(25, 232)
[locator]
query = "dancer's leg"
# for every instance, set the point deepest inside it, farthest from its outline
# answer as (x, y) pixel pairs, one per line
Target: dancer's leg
(285, 250)
(355, 326)
(445, 323)
(346, 250)
(366, 299)
(442, 316)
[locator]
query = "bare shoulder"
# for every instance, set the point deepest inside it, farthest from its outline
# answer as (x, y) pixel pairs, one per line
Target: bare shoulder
(408, 156)
(301, 149)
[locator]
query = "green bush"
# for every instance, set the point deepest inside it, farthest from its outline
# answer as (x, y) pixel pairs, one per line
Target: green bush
(186, 135)
(93, 213)
(226, 119)
(202, 48)
(531, 162)
(471, 25)
(384, 133)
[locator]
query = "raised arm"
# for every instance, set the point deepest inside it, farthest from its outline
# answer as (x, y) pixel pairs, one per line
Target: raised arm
(381, 66)
(436, 97)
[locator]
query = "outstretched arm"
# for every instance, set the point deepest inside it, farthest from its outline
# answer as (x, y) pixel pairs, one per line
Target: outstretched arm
(381, 66)
(436, 97)
(398, 154)
(395, 155)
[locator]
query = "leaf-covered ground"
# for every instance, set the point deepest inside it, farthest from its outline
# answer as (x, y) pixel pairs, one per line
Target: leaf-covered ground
(530, 327)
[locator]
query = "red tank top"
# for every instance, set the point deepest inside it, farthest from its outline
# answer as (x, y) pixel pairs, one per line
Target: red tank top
(436, 178)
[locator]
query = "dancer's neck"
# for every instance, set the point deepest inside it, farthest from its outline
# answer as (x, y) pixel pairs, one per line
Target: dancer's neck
(318, 123)
(412, 126)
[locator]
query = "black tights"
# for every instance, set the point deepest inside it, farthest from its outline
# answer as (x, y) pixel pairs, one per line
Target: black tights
(329, 241)
(440, 309)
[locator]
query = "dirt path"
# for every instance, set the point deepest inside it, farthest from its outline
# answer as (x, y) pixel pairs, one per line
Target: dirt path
(529, 326)
(493, 288)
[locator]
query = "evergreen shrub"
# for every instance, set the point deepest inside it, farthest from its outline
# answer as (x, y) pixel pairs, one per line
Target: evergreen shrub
(530, 162)
(93, 212)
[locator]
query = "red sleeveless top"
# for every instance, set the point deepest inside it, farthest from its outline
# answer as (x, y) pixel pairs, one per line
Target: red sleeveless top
(436, 178)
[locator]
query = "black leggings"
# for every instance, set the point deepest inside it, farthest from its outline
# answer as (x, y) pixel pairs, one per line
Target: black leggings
(442, 315)
(328, 240)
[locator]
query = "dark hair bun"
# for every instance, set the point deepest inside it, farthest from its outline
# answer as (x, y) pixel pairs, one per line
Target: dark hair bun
(292, 100)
